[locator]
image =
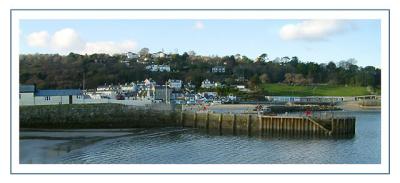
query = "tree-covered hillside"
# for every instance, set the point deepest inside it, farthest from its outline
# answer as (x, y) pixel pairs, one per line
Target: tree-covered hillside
(57, 71)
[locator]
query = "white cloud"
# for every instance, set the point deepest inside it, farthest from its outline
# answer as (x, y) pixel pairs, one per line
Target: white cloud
(109, 47)
(199, 25)
(38, 39)
(312, 30)
(68, 40)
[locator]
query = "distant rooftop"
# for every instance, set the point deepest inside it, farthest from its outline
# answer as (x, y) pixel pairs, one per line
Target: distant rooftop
(63, 92)
(26, 88)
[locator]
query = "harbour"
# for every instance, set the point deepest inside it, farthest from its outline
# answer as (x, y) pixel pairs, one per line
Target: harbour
(113, 116)
(177, 145)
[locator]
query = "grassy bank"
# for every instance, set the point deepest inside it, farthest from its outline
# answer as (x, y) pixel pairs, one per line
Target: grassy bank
(326, 90)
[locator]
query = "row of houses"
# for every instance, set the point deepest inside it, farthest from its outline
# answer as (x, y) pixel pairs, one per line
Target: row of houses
(147, 90)
(167, 68)
(159, 68)
(160, 54)
(146, 93)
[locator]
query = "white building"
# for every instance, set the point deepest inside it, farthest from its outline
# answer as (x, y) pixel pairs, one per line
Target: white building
(30, 96)
(208, 94)
(158, 68)
(207, 84)
(175, 84)
(131, 55)
(242, 88)
(107, 91)
(217, 85)
(218, 69)
(232, 97)
(26, 94)
(131, 87)
(53, 97)
(159, 54)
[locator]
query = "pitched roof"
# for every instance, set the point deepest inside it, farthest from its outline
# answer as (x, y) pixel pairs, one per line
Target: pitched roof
(64, 92)
(26, 88)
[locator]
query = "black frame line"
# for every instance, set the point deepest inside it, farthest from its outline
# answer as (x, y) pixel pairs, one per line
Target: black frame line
(218, 9)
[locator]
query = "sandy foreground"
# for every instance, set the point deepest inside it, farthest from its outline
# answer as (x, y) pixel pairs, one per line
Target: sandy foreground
(354, 106)
(233, 106)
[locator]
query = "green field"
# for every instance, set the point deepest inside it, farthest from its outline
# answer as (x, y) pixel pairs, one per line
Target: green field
(327, 90)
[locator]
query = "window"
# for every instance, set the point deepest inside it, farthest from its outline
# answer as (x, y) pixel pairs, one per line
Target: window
(19, 96)
(47, 98)
(79, 96)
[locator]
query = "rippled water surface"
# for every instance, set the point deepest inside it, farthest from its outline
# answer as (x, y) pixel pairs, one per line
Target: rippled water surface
(192, 146)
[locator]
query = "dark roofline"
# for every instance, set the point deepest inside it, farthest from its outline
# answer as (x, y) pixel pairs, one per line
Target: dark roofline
(27, 88)
(62, 92)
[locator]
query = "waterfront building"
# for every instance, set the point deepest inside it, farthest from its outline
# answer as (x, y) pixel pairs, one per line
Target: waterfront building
(26, 94)
(131, 87)
(175, 84)
(107, 91)
(52, 97)
(162, 93)
(208, 95)
(29, 95)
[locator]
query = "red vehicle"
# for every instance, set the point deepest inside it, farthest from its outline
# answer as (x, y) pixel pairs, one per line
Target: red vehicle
(308, 112)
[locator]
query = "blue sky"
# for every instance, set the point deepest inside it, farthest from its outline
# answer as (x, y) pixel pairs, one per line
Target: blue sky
(311, 40)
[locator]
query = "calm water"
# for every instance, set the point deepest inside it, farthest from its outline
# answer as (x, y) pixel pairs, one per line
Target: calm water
(191, 146)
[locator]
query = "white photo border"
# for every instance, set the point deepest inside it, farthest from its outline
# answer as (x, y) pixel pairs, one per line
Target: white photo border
(75, 14)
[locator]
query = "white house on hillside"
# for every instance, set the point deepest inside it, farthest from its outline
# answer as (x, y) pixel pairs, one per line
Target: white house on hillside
(218, 69)
(207, 84)
(159, 54)
(131, 55)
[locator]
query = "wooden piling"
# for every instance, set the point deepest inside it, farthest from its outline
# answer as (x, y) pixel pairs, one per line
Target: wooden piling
(182, 119)
(195, 120)
(248, 124)
(220, 123)
(260, 124)
(234, 124)
(271, 125)
(208, 120)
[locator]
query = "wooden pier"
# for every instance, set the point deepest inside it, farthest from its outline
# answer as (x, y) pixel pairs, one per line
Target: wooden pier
(252, 124)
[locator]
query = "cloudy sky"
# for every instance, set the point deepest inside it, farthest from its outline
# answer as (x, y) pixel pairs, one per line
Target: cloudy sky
(310, 40)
